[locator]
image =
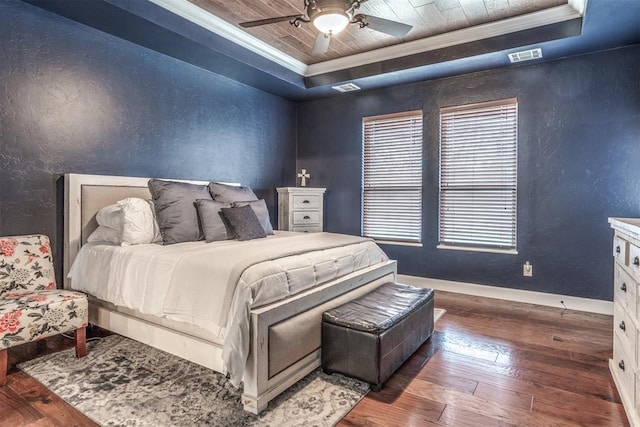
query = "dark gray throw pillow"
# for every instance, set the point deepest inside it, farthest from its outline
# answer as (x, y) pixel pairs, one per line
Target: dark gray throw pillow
(174, 203)
(244, 222)
(261, 211)
(214, 225)
(230, 193)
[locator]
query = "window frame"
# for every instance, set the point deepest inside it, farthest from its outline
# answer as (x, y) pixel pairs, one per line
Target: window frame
(411, 184)
(509, 108)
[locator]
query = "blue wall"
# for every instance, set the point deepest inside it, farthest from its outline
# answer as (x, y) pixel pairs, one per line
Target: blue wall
(578, 163)
(73, 99)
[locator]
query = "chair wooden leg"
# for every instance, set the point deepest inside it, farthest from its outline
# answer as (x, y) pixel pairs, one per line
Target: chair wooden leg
(4, 360)
(80, 337)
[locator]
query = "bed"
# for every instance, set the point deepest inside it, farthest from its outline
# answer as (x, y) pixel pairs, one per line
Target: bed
(283, 334)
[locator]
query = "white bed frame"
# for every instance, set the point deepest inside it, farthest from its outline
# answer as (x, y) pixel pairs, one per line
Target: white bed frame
(259, 387)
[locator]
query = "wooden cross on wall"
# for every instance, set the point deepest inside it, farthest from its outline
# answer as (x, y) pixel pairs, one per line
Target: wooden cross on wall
(303, 175)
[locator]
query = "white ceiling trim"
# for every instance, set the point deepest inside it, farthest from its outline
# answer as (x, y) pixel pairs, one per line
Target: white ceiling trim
(578, 5)
(523, 22)
(193, 13)
(212, 23)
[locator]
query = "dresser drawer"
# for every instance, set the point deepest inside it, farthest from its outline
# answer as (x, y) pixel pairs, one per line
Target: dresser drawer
(624, 292)
(627, 333)
(634, 261)
(306, 201)
(307, 228)
(621, 250)
(624, 369)
(306, 218)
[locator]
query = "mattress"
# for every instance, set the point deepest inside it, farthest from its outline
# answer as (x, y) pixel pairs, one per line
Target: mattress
(215, 285)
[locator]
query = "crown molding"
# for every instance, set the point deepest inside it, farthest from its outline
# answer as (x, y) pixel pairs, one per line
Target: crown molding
(201, 17)
(578, 5)
(573, 9)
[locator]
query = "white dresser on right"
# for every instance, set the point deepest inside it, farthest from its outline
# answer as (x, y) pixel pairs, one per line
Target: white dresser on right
(625, 365)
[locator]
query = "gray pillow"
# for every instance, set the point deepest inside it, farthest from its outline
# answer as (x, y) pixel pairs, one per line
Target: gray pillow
(244, 222)
(174, 203)
(260, 209)
(230, 193)
(214, 225)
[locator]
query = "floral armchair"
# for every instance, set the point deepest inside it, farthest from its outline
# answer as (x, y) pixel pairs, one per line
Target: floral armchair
(31, 308)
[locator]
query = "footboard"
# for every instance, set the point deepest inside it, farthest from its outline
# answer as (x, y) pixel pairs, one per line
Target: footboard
(286, 336)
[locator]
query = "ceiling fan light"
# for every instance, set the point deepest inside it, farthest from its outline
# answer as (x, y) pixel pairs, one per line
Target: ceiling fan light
(331, 21)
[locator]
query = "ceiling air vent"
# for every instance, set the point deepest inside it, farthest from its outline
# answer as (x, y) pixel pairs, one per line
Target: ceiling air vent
(525, 55)
(347, 87)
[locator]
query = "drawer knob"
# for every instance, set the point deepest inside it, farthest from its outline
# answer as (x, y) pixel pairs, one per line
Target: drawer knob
(306, 202)
(636, 261)
(621, 364)
(623, 287)
(617, 249)
(306, 217)
(622, 325)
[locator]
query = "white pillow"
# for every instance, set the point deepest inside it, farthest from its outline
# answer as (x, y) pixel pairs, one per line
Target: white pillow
(138, 222)
(110, 216)
(131, 221)
(105, 234)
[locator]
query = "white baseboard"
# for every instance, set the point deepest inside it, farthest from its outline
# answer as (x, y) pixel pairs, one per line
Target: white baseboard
(518, 295)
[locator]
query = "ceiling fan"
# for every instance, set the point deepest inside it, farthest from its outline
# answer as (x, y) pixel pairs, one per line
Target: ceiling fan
(332, 16)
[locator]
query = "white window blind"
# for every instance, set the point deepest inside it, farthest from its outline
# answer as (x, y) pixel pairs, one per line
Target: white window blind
(392, 177)
(478, 175)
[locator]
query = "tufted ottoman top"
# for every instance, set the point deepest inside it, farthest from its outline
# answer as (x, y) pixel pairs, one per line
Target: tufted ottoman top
(380, 309)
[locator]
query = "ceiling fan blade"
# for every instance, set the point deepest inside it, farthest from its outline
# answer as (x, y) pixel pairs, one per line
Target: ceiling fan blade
(393, 28)
(321, 44)
(250, 24)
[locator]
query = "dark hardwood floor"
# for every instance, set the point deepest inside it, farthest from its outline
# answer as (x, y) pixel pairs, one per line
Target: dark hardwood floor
(489, 363)
(498, 363)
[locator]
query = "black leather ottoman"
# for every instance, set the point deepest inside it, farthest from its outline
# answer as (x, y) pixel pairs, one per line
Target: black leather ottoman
(370, 337)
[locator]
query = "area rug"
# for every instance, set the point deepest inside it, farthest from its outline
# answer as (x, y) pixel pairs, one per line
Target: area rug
(124, 382)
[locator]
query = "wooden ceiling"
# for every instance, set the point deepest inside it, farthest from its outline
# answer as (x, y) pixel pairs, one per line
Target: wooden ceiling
(428, 18)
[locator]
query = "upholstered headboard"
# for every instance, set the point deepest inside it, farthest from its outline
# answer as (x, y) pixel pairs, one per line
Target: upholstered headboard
(85, 195)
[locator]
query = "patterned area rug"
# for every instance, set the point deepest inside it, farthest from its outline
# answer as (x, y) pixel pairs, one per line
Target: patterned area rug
(124, 382)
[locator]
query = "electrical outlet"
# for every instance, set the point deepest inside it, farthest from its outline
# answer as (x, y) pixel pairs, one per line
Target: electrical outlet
(527, 269)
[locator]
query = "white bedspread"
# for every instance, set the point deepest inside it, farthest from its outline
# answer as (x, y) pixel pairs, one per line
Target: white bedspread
(214, 285)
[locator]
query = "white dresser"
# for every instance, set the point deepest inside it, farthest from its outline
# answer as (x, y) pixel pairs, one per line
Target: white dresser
(300, 209)
(626, 314)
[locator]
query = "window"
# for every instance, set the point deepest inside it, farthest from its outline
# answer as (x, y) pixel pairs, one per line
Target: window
(392, 177)
(478, 176)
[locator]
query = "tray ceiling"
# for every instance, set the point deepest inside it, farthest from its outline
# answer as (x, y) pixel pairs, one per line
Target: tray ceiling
(428, 18)
(187, 32)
